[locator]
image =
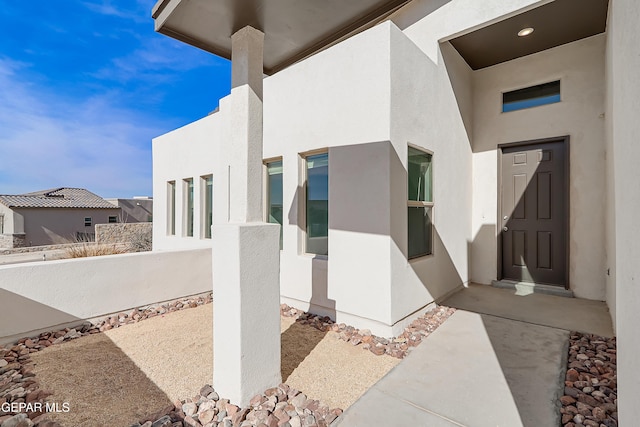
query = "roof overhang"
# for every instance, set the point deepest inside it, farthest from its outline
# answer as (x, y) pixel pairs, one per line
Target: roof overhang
(555, 23)
(293, 30)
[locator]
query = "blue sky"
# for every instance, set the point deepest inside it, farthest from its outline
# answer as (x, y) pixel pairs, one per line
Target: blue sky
(85, 86)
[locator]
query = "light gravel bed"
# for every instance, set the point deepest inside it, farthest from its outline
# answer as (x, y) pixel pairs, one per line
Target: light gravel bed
(127, 374)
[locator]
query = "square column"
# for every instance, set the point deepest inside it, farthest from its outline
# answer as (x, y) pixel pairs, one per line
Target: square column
(246, 315)
(245, 250)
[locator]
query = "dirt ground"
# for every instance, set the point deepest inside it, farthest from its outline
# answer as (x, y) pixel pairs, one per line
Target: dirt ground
(126, 374)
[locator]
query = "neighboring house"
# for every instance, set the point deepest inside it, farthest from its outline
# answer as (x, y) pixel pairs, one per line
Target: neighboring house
(55, 216)
(440, 144)
(137, 209)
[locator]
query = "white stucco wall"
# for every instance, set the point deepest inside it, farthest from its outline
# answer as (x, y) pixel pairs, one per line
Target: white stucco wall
(622, 81)
(427, 22)
(610, 212)
(396, 96)
(45, 295)
(427, 112)
(187, 152)
(580, 68)
(337, 97)
(305, 108)
(361, 102)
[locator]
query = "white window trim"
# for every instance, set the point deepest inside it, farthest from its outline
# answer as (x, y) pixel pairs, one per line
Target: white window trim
(302, 203)
(265, 190)
(548, 79)
(203, 205)
(265, 186)
(185, 207)
(171, 208)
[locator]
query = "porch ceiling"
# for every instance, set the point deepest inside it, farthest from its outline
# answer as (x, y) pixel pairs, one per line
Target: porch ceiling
(554, 24)
(293, 29)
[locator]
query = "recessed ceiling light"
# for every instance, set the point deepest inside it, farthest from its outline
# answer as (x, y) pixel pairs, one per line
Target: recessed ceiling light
(525, 31)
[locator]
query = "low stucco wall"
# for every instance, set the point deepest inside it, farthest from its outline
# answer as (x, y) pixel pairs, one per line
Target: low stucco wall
(28, 249)
(45, 295)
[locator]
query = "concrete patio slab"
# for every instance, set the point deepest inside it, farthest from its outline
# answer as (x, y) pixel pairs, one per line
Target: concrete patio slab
(571, 314)
(475, 370)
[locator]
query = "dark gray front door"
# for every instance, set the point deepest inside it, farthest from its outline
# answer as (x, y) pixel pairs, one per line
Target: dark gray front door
(533, 213)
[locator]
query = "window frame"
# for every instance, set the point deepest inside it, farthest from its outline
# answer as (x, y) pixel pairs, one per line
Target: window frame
(302, 212)
(171, 208)
(504, 93)
(205, 227)
(421, 204)
(188, 204)
(265, 193)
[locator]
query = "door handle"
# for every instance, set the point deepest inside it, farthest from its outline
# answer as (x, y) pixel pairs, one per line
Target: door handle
(505, 228)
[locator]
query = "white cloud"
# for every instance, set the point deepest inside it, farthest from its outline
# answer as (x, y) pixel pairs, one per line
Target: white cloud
(49, 140)
(105, 7)
(156, 61)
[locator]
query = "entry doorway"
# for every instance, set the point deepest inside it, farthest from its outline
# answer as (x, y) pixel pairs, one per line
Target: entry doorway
(534, 212)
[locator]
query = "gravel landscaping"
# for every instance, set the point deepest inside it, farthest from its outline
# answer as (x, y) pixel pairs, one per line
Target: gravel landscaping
(591, 392)
(282, 406)
(398, 347)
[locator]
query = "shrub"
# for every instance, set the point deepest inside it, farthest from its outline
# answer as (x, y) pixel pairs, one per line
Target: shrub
(94, 249)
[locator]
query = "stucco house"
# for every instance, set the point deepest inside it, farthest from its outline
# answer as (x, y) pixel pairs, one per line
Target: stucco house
(419, 146)
(54, 216)
(135, 209)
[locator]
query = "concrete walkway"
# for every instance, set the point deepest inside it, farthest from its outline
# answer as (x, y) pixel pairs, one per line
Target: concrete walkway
(481, 369)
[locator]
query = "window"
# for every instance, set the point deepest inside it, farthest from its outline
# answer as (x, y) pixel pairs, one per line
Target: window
(317, 204)
(171, 208)
(187, 186)
(207, 205)
(274, 194)
(87, 221)
(420, 203)
(547, 93)
(113, 219)
(2, 224)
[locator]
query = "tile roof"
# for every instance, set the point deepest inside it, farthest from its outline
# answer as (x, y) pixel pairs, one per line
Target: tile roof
(57, 198)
